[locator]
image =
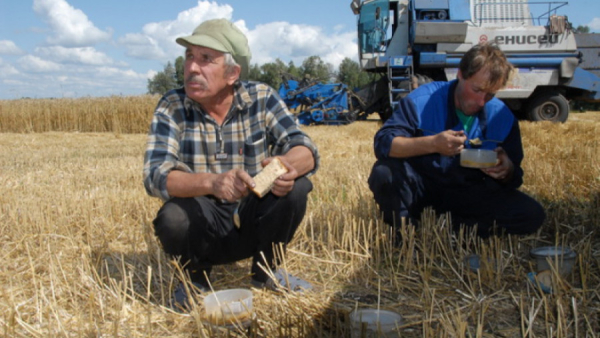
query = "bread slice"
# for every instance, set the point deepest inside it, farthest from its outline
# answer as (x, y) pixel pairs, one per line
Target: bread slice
(264, 180)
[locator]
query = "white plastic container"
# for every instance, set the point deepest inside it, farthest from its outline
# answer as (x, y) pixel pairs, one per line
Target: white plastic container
(229, 307)
(562, 258)
(367, 323)
(478, 158)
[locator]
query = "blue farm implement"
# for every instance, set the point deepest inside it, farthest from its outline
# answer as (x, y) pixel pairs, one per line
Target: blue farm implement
(317, 103)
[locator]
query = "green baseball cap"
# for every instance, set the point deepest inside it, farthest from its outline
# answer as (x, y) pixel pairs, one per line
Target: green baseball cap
(224, 36)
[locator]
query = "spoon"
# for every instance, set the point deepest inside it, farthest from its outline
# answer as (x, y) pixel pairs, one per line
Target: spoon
(477, 142)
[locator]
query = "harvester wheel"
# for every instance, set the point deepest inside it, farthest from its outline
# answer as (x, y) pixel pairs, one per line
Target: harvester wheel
(550, 106)
(385, 112)
(352, 116)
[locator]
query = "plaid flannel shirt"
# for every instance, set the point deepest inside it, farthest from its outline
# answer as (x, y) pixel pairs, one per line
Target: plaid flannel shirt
(183, 137)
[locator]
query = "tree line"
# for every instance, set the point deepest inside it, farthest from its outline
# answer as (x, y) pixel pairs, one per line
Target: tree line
(313, 68)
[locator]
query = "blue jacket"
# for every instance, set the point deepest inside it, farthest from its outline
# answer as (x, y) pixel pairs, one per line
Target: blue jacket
(429, 110)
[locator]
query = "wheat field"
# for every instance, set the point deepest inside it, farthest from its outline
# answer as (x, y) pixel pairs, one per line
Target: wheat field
(80, 258)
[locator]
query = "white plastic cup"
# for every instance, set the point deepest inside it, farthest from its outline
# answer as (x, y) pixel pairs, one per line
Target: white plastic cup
(562, 258)
(228, 307)
(367, 323)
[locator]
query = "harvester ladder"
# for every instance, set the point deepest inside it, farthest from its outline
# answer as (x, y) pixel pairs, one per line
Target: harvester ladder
(400, 79)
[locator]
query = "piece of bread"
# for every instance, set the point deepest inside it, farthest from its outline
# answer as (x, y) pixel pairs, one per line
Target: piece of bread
(264, 180)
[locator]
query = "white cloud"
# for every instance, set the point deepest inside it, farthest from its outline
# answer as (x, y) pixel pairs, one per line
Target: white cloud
(150, 74)
(78, 55)
(7, 69)
(143, 47)
(157, 39)
(298, 42)
(8, 47)
(594, 25)
(339, 28)
(77, 81)
(288, 42)
(125, 75)
(35, 64)
(70, 26)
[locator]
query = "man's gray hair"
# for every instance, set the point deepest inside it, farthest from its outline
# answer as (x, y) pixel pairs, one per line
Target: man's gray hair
(229, 63)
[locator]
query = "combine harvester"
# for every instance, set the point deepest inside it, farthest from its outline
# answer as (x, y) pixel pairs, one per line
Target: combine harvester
(412, 42)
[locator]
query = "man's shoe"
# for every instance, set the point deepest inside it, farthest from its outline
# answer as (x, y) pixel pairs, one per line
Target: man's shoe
(180, 299)
(283, 281)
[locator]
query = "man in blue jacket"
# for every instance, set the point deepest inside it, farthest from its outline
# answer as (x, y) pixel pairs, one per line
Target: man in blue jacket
(418, 152)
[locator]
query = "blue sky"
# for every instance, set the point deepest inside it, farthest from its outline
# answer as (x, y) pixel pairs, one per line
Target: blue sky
(76, 48)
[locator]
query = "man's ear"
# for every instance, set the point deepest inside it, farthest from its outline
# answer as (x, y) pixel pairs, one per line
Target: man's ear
(459, 75)
(234, 74)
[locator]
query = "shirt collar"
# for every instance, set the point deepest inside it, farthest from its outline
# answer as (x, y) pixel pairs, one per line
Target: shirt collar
(241, 97)
(191, 105)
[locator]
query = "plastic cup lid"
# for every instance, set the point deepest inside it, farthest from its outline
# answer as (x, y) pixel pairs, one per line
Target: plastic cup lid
(373, 316)
(549, 251)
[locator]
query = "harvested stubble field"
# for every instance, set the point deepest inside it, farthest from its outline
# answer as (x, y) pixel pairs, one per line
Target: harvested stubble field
(80, 258)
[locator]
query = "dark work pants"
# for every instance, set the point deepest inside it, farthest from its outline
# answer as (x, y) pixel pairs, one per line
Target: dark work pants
(401, 192)
(201, 230)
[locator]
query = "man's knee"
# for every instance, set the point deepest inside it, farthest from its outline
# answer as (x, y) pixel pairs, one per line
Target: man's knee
(305, 185)
(538, 216)
(302, 187)
(381, 175)
(171, 226)
(533, 213)
(529, 220)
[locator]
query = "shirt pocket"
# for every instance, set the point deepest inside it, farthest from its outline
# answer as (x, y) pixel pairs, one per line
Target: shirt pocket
(255, 150)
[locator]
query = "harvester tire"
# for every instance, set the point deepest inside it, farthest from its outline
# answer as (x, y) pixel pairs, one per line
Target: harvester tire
(385, 113)
(550, 106)
(352, 116)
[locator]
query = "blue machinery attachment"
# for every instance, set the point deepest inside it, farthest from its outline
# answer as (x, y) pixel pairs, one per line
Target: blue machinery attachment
(316, 103)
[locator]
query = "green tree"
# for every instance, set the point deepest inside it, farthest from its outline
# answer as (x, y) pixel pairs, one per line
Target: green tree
(254, 73)
(314, 68)
(350, 74)
(293, 70)
(582, 29)
(163, 81)
(179, 63)
(271, 73)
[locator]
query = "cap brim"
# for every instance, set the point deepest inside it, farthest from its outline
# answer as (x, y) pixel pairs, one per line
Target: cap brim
(202, 40)
(209, 42)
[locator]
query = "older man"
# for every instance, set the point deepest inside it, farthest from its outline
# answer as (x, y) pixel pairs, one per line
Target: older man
(206, 142)
(418, 152)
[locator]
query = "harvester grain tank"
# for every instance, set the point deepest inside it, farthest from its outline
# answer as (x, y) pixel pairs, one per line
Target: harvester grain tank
(411, 42)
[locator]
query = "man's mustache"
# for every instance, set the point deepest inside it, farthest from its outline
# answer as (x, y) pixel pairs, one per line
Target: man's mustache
(196, 79)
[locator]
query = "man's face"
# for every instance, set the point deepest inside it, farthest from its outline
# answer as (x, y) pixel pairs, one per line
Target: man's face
(469, 96)
(205, 74)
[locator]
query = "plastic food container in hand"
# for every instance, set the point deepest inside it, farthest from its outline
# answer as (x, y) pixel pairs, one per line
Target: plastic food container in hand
(478, 158)
(562, 258)
(229, 307)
